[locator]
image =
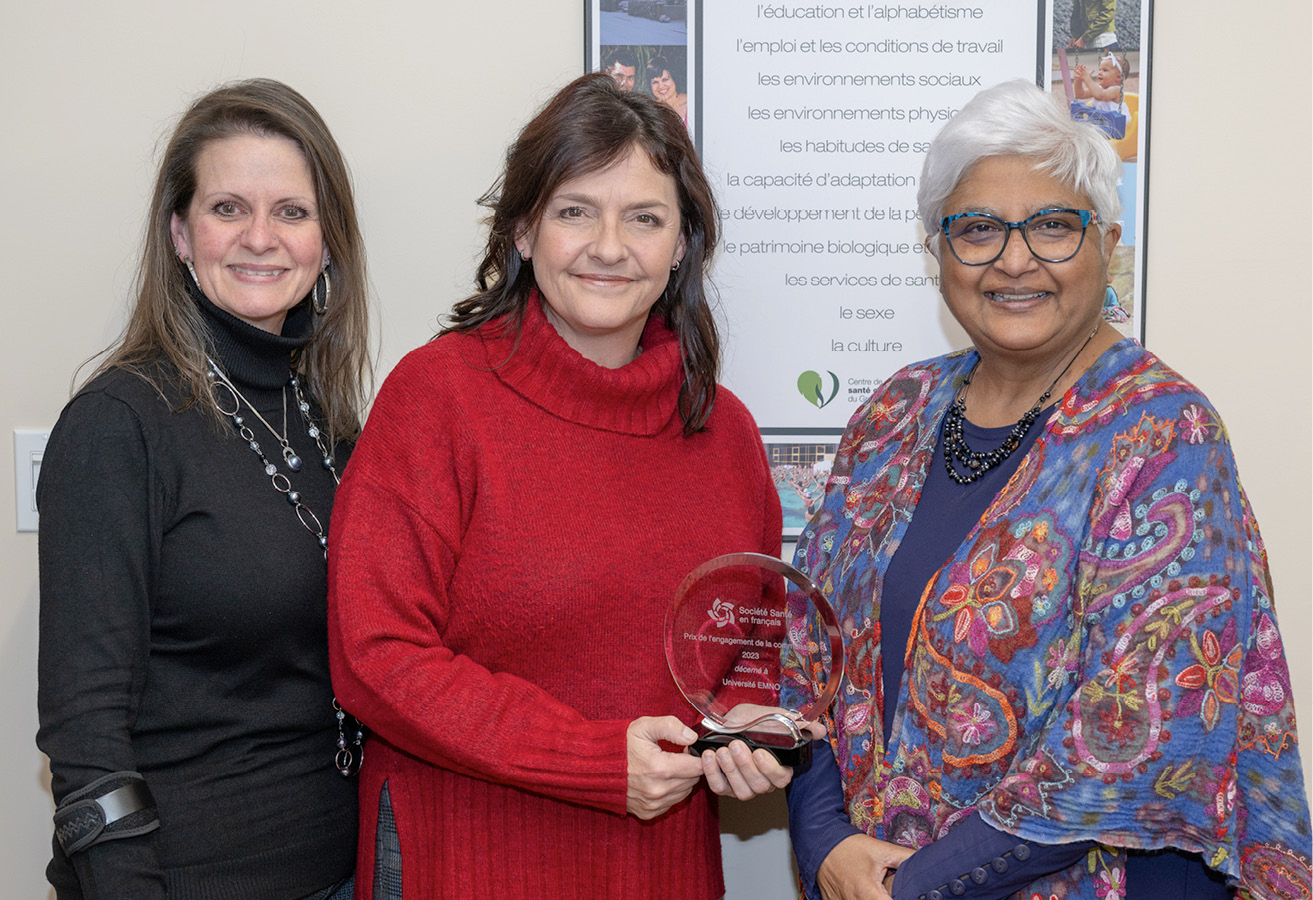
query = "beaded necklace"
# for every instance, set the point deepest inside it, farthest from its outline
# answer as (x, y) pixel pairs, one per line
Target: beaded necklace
(975, 462)
(350, 752)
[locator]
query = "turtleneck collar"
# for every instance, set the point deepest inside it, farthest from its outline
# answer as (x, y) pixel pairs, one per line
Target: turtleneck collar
(639, 398)
(252, 356)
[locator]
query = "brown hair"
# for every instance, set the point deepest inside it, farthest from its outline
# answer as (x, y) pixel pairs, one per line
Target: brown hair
(165, 320)
(658, 65)
(586, 127)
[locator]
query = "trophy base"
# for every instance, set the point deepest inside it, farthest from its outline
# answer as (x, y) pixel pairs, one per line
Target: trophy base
(781, 746)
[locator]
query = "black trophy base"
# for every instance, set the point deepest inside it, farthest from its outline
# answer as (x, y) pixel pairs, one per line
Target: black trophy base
(781, 746)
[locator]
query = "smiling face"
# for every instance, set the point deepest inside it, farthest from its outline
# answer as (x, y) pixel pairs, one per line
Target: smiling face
(1107, 74)
(1019, 308)
(663, 87)
(602, 253)
(252, 228)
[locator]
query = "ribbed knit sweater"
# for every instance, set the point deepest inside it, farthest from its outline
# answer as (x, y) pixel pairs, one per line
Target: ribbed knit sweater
(183, 636)
(507, 539)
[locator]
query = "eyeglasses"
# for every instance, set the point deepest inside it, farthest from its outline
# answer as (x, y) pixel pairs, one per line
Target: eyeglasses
(1053, 235)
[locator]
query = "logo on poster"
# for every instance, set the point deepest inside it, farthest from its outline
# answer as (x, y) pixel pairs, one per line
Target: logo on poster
(812, 387)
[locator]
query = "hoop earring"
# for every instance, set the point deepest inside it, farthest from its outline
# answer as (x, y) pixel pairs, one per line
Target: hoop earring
(675, 267)
(321, 306)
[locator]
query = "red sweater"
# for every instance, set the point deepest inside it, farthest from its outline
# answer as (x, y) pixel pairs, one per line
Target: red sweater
(504, 545)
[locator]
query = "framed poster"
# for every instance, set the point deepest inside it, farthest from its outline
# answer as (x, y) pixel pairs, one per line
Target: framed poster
(813, 121)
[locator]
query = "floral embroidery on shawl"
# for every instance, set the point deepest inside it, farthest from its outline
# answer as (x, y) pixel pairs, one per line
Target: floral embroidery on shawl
(1099, 661)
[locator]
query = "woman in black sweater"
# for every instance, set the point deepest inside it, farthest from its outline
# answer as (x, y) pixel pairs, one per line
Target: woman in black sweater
(185, 493)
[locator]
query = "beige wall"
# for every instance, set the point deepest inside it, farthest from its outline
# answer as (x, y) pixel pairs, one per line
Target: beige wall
(1230, 301)
(423, 97)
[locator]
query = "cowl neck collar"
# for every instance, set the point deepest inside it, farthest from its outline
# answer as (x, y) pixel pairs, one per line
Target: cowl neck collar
(639, 398)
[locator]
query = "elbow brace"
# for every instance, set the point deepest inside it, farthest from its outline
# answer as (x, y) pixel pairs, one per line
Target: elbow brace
(116, 806)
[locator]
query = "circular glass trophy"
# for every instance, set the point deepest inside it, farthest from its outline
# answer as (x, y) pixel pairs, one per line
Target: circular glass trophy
(755, 647)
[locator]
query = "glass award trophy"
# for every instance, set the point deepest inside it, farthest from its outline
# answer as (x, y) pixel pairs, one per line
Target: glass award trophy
(755, 648)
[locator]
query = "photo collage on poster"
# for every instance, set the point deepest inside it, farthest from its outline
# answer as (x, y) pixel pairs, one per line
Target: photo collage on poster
(1099, 70)
(644, 45)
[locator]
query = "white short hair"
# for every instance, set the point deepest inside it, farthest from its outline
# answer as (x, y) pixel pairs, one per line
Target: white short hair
(1016, 118)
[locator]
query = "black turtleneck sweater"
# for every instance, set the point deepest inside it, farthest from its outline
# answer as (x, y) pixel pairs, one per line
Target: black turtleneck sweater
(183, 635)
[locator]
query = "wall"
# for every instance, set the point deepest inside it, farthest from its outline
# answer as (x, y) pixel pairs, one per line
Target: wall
(1229, 297)
(423, 98)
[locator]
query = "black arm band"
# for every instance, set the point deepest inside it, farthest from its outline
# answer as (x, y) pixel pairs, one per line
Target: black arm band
(116, 806)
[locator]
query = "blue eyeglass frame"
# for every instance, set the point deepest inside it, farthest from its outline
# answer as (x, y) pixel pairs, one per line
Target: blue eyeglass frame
(1088, 217)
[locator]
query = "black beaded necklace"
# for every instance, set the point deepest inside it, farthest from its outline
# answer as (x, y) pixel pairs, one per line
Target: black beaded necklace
(975, 462)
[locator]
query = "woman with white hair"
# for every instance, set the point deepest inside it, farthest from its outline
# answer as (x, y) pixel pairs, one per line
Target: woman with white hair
(1064, 677)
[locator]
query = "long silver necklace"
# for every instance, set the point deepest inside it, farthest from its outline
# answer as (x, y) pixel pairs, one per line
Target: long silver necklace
(350, 751)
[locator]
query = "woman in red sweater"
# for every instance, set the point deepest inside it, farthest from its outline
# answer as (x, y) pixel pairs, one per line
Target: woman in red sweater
(528, 493)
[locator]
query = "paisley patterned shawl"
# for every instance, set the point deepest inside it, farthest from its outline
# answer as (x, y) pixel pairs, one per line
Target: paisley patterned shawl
(1100, 660)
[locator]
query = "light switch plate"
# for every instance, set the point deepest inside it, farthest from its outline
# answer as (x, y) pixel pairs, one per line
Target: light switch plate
(29, 446)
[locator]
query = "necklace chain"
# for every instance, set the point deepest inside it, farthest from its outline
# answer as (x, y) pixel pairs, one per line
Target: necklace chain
(350, 752)
(289, 455)
(975, 462)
